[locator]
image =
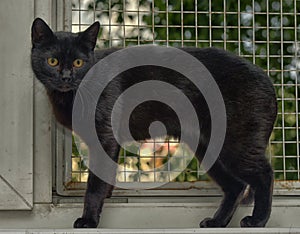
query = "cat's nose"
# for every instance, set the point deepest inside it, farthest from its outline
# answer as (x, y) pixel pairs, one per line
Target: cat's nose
(66, 75)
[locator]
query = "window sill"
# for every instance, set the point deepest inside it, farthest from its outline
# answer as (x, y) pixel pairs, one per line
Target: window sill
(148, 213)
(154, 231)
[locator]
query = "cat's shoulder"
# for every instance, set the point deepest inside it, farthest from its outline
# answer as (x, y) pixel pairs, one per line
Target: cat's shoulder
(195, 51)
(206, 55)
(101, 53)
(209, 52)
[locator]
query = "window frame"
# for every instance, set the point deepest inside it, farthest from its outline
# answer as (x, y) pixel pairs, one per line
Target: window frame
(63, 150)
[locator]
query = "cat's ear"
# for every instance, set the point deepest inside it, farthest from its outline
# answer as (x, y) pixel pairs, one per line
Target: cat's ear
(40, 32)
(89, 36)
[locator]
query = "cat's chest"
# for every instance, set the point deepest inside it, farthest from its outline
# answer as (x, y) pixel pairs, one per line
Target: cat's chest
(62, 105)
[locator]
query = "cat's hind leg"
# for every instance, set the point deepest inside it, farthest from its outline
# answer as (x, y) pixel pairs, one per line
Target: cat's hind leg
(261, 180)
(233, 189)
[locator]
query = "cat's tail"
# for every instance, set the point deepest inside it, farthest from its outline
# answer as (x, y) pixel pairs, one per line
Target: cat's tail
(248, 196)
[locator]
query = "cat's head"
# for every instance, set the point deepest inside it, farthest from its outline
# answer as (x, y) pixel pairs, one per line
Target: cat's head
(60, 60)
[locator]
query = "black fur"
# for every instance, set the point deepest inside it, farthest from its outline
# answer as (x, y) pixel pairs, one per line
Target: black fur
(250, 105)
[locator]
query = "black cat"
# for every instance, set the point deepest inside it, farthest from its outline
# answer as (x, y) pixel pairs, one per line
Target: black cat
(61, 60)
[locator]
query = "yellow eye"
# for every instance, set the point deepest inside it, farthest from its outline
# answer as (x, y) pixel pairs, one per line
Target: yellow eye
(53, 62)
(78, 63)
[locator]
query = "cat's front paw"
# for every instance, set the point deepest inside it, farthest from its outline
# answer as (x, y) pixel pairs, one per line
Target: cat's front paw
(85, 223)
(210, 223)
(249, 221)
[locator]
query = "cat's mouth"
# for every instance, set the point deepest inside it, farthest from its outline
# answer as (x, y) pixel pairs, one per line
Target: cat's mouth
(65, 88)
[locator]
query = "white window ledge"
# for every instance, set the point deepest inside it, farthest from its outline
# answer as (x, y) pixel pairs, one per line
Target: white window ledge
(152, 216)
(164, 231)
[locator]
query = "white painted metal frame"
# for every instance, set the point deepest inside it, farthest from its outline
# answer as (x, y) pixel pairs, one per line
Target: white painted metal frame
(26, 146)
(16, 107)
(159, 231)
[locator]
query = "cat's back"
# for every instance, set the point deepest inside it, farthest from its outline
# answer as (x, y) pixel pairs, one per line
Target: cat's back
(247, 91)
(223, 65)
(238, 79)
(226, 66)
(243, 85)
